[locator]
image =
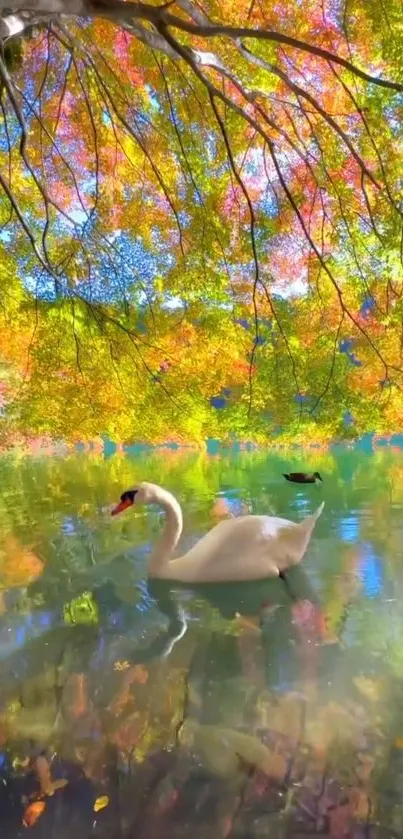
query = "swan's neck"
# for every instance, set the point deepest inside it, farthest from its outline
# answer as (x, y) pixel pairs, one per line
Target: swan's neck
(166, 544)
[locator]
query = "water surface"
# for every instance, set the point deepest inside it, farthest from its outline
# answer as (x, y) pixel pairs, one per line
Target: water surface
(248, 710)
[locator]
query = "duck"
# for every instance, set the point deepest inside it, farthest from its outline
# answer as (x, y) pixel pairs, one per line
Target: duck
(302, 477)
(249, 547)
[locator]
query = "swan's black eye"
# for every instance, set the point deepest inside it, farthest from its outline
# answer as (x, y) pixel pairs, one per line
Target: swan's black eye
(128, 495)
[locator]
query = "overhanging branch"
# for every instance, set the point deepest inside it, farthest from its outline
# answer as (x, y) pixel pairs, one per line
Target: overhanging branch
(121, 12)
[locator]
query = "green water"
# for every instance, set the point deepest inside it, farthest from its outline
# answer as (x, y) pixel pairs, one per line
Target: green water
(94, 657)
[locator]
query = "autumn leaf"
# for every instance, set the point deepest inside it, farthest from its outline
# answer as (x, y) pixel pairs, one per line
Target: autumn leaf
(48, 787)
(121, 665)
(140, 674)
(33, 812)
(101, 803)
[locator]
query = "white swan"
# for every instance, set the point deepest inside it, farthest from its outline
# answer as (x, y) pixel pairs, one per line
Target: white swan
(244, 548)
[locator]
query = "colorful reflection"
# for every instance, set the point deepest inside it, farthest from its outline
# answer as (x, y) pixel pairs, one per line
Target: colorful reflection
(268, 708)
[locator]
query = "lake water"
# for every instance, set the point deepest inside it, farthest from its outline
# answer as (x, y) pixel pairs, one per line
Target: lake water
(235, 711)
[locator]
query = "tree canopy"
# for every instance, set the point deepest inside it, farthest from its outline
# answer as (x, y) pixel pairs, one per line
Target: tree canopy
(201, 217)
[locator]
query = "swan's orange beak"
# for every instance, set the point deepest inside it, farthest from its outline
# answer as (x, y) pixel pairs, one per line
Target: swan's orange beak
(123, 505)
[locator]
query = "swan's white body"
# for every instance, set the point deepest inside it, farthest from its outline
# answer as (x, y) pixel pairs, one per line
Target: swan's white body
(244, 548)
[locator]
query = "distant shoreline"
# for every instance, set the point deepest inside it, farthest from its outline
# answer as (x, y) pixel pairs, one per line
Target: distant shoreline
(46, 446)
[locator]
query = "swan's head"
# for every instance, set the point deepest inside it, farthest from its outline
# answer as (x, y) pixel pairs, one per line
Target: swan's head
(142, 494)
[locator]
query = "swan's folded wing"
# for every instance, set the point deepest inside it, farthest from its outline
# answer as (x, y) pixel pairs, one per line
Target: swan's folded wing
(245, 548)
(238, 549)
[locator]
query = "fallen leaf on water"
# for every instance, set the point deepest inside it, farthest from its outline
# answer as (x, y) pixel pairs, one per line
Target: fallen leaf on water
(32, 813)
(55, 785)
(43, 771)
(48, 787)
(367, 762)
(361, 804)
(140, 674)
(372, 689)
(121, 665)
(247, 623)
(226, 826)
(167, 802)
(101, 803)
(20, 763)
(79, 688)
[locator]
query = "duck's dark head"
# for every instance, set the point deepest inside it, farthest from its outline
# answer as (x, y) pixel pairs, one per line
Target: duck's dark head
(126, 501)
(317, 476)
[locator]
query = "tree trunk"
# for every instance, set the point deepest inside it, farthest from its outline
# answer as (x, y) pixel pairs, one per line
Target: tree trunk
(47, 7)
(17, 16)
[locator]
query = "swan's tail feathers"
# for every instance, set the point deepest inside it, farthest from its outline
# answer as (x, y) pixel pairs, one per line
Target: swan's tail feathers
(317, 512)
(308, 524)
(296, 537)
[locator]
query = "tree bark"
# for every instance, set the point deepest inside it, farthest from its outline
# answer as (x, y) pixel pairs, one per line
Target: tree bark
(51, 7)
(127, 14)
